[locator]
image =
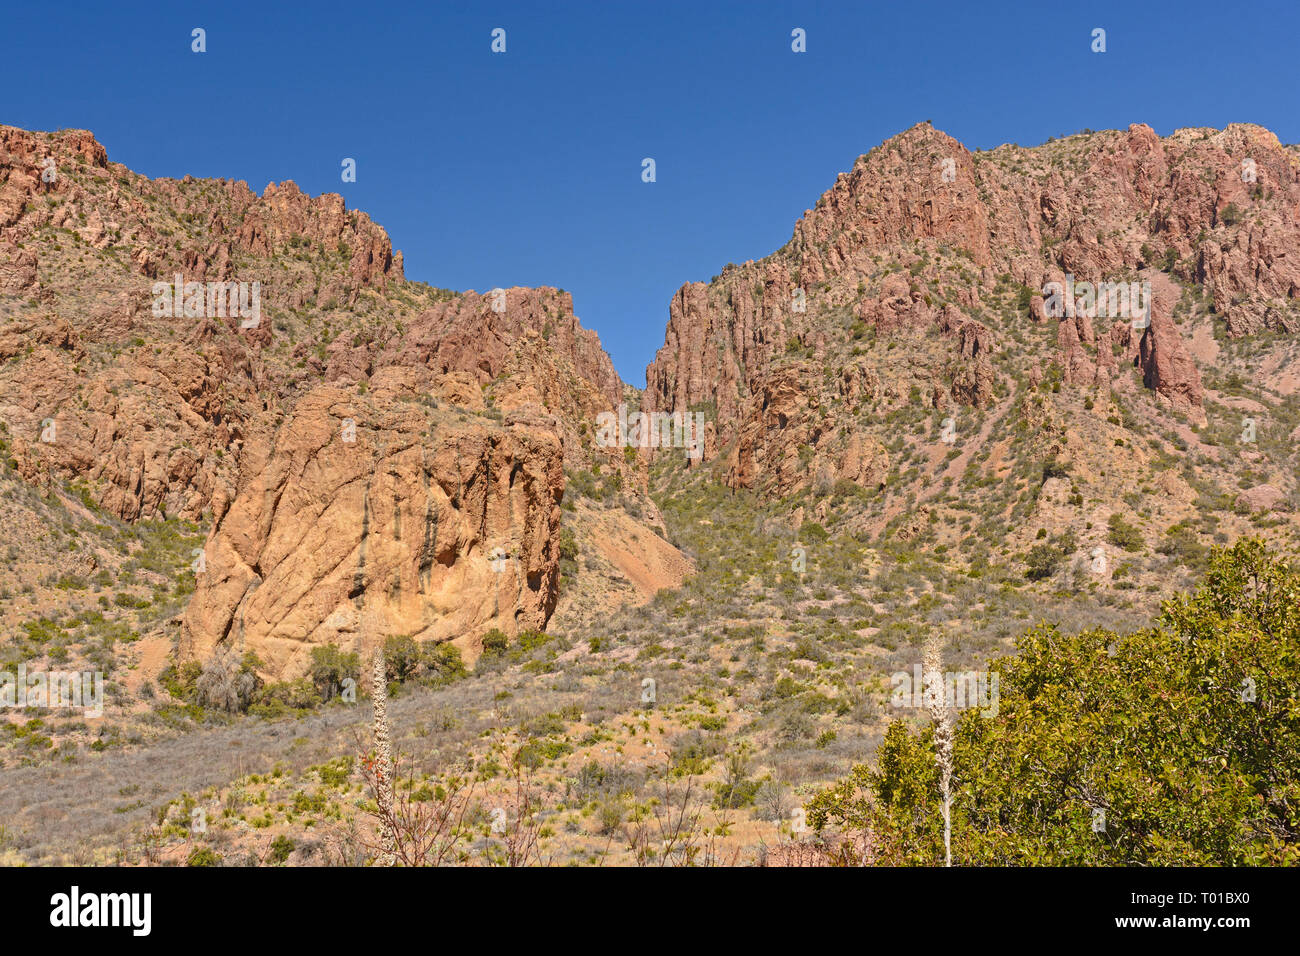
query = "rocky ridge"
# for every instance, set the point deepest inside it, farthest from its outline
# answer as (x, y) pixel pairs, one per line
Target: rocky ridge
(238, 425)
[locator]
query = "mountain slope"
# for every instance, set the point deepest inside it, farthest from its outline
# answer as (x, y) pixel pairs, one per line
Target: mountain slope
(900, 367)
(259, 366)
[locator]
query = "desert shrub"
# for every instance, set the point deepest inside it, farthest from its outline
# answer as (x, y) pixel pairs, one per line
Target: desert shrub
(537, 752)
(286, 697)
(308, 803)
(1042, 561)
(336, 772)
(812, 531)
(495, 641)
(180, 680)
(773, 802)
(1182, 545)
(598, 780)
(1122, 534)
(228, 682)
(568, 555)
(442, 662)
(531, 640)
(1055, 469)
(735, 789)
(692, 752)
(609, 816)
(281, 847)
(203, 856)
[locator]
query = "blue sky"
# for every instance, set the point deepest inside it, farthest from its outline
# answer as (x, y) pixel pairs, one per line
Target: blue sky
(524, 168)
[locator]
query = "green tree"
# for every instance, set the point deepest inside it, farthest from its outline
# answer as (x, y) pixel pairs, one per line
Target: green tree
(329, 667)
(1175, 745)
(442, 661)
(401, 657)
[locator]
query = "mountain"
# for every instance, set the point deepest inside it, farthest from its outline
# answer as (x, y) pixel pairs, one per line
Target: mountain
(899, 366)
(974, 391)
(367, 455)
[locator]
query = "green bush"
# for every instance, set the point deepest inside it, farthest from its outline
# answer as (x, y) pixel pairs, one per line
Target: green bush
(286, 697)
(442, 662)
(812, 531)
(495, 641)
(203, 856)
(336, 772)
(1123, 535)
(1042, 561)
(1182, 545)
(179, 680)
(281, 847)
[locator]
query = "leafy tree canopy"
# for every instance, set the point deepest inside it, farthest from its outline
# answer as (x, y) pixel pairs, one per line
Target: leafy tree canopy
(1176, 745)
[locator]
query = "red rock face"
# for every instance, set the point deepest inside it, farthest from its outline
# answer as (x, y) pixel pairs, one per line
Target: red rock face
(534, 329)
(786, 442)
(1217, 208)
(151, 424)
(891, 296)
(1167, 367)
(899, 194)
(1152, 344)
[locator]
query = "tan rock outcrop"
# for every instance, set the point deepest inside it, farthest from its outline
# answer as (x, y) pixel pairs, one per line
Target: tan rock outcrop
(1261, 498)
(374, 515)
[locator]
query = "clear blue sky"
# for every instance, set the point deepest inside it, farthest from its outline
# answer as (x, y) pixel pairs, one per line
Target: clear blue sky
(525, 168)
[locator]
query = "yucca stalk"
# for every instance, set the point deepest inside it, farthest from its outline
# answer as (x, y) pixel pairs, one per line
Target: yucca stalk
(383, 762)
(941, 714)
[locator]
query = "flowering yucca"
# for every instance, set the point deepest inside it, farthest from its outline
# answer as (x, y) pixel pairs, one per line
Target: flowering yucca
(382, 762)
(942, 716)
